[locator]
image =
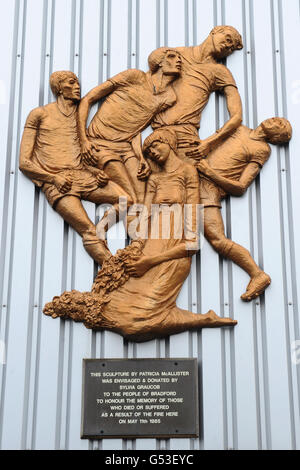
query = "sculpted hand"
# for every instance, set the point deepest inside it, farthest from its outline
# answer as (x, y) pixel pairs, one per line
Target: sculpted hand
(203, 167)
(87, 153)
(200, 151)
(102, 178)
(144, 170)
(139, 267)
(63, 183)
(183, 143)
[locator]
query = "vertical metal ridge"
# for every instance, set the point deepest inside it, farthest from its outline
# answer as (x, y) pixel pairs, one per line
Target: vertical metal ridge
(62, 327)
(42, 204)
(137, 34)
(199, 287)
(93, 334)
(166, 43)
(259, 241)
(231, 339)
(186, 23)
(247, 51)
(65, 328)
(166, 20)
(282, 232)
(29, 345)
(76, 53)
(108, 37)
(81, 16)
(38, 346)
(9, 145)
(290, 229)
(232, 351)
(101, 40)
(157, 23)
(223, 357)
(33, 267)
(158, 39)
(4, 233)
(126, 344)
(129, 34)
(194, 7)
(14, 197)
(289, 196)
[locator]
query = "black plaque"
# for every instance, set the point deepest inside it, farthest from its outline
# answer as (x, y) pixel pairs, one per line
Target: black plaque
(131, 398)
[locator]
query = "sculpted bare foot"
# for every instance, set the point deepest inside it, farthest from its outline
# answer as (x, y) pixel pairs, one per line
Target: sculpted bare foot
(256, 286)
(215, 321)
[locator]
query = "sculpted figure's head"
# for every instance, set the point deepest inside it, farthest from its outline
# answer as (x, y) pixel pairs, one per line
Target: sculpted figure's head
(158, 145)
(225, 40)
(166, 59)
(277, 130)
(66, 84)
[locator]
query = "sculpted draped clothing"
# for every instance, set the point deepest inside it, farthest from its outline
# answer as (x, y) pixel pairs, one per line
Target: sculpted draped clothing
(146, 306)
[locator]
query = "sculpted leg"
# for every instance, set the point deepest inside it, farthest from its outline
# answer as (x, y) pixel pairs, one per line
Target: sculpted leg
(132, 166)
(73, 212)
(117, 172)
(214, 233)
(112, 194)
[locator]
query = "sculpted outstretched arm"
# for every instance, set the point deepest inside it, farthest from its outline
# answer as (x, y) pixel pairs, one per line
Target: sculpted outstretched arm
(26, 164)
(235, 109)
(232, 187)
(92, 97)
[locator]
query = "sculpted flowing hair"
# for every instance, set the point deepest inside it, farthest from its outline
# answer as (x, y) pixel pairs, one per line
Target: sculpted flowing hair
(57, 77)
(233, 33)
(162, 135)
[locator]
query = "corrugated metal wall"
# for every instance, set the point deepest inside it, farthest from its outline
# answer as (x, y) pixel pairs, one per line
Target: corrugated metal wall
(250, 388)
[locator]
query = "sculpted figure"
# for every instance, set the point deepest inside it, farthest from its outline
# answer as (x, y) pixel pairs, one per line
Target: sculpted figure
(50, 156)
(230, 169)
(201, 76)
(132, 98)
(135, 292)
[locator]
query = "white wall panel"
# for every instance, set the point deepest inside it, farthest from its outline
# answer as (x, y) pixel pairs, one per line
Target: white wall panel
(249, 386)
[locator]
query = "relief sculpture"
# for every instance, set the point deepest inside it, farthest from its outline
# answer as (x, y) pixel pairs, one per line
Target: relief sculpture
(168, 178)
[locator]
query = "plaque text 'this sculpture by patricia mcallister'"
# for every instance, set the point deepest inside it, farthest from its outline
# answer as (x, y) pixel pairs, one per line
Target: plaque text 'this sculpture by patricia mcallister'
(156, 188)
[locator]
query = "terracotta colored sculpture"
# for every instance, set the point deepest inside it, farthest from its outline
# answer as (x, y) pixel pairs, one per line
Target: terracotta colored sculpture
(135, 292)
(50, 155)
(201, 76)
(132, 98)
(230, 169)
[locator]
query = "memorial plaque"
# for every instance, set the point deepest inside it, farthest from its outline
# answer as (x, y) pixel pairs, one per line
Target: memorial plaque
(130, 398)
